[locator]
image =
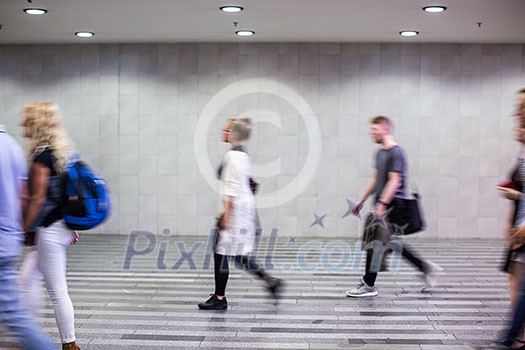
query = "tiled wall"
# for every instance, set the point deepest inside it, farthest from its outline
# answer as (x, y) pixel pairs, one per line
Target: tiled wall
(133, 112)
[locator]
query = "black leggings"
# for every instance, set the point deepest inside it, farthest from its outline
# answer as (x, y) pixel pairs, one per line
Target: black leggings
(222, 269)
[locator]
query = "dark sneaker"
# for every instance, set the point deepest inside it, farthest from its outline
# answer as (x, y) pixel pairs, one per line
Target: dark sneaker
(275, 288)
(214, 303)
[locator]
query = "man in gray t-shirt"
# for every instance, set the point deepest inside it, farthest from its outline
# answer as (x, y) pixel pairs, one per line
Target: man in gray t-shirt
(390, 160)
(387, 183)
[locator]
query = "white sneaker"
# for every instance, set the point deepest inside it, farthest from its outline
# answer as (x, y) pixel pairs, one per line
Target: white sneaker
(431, 276)
(362, 290)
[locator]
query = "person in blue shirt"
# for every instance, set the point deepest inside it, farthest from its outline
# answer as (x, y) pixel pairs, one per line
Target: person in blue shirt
(13, 182)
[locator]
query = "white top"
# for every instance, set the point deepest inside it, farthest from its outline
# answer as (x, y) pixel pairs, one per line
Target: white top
(239, 238)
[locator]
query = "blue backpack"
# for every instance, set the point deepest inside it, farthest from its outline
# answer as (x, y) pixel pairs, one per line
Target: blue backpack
(86, 197)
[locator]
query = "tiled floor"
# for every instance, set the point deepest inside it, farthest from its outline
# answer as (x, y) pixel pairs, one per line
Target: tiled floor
(149, 300)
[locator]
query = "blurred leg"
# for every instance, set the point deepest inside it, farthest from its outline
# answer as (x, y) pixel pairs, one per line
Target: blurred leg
(222, 272)
(30, 281)
(17, 319)
(52, 244)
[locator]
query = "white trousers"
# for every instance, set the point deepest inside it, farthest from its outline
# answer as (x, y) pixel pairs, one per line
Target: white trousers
(49, 261)
(30, 281)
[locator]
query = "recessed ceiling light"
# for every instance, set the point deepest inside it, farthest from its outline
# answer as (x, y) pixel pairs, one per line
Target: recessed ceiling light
(231, 8)
(408, 33)
(35, 11)
(434, 8)
(84, 34)
(245, 32)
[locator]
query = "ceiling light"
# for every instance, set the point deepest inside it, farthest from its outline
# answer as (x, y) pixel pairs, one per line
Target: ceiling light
(408, 33)
(35, 11)
(84, 34)
(434, 9)
(231, 9)
(245, 32)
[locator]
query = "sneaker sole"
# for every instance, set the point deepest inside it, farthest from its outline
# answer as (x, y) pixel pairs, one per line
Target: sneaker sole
(436, 275)
(213, 308)
(204, 307)
(363, 295)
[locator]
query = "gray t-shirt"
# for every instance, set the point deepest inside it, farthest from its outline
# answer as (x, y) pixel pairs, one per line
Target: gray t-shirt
(387, 161)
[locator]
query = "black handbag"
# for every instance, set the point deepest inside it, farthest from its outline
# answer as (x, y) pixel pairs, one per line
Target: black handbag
(406, 215)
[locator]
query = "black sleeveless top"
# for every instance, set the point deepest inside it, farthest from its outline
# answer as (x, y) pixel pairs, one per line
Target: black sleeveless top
(52, 208)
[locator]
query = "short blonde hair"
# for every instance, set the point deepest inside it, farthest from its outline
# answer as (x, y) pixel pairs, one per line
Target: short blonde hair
(45, 128)
(243, 127)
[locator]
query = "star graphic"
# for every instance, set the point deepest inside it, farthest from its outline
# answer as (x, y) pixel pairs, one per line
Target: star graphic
(400, 230)
(381, 222)
(349, 210)
(318, 220)
(291, 240)
(375, 221)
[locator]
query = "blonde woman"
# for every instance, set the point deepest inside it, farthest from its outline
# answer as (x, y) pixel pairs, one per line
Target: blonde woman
(515, 264)
(236, 239)
(48, 150)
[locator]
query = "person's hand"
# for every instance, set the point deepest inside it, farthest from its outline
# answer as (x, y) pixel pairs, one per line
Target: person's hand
(223, 223)
(509, 193)
(517, 232)
(517, 237)
(74, 237)
(507, 232)
(357, 207)
(379, 211)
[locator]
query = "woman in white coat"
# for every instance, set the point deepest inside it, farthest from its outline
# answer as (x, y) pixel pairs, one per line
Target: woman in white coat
(236, 237)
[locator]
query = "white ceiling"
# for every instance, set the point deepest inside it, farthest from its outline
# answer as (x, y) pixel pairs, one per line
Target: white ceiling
(170, 21)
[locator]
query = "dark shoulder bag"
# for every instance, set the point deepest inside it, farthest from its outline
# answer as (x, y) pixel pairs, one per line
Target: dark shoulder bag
(406, 215)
